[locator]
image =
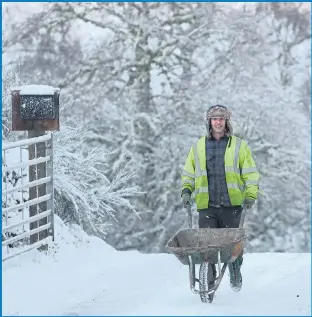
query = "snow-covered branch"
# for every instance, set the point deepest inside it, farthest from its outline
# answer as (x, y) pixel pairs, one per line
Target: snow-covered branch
(81, 179)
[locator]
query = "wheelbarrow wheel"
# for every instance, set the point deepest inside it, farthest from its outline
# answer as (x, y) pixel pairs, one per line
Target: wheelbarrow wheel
(206, 276)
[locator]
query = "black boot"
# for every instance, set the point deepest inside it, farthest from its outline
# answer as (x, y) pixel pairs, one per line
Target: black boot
(236, 280)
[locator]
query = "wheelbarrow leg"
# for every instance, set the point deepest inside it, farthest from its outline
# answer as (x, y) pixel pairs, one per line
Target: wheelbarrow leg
(219, 262)
(192, 275)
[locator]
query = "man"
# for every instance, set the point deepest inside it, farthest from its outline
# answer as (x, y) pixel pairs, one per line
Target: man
(221, 173)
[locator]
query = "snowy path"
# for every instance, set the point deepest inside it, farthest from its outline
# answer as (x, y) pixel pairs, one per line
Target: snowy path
(166, 290)
(88, 277)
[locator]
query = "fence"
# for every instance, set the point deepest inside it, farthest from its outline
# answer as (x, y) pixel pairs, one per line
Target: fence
(27, 223)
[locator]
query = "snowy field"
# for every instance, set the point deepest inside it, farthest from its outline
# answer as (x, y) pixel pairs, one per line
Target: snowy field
(83, 275)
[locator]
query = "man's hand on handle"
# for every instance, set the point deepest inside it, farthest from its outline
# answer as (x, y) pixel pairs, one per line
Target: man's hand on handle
(186, 199)
(249, 202)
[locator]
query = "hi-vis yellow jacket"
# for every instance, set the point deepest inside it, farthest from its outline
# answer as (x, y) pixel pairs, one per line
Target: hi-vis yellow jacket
(242, 176)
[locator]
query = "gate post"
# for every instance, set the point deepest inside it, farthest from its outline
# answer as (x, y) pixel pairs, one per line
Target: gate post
(35, 108)
(50, 186)
(36, 172)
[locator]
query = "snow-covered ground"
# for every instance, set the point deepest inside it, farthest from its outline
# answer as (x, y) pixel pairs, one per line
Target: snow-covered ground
(83, 275)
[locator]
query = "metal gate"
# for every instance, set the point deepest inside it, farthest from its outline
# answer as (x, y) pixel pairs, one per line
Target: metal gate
(27, 195)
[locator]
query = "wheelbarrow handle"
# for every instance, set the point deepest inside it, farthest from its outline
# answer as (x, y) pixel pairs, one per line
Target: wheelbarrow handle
(242, 218)
(189, 213)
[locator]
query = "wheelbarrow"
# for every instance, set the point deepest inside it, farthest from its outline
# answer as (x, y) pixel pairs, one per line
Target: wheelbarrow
(207, 246)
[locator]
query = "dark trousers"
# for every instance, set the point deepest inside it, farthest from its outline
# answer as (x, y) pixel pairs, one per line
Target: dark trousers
(223, 217)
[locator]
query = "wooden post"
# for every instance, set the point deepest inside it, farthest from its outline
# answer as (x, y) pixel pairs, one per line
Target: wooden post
(50, 185)
(36, 172)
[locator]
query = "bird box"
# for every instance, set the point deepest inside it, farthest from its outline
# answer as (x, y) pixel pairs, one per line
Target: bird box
(35, 107)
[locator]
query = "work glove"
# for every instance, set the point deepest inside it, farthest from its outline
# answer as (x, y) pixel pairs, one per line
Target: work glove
(249, 202)
(186, 199)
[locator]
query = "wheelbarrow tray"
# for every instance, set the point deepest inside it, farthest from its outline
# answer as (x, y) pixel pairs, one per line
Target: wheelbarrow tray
(203, 244)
